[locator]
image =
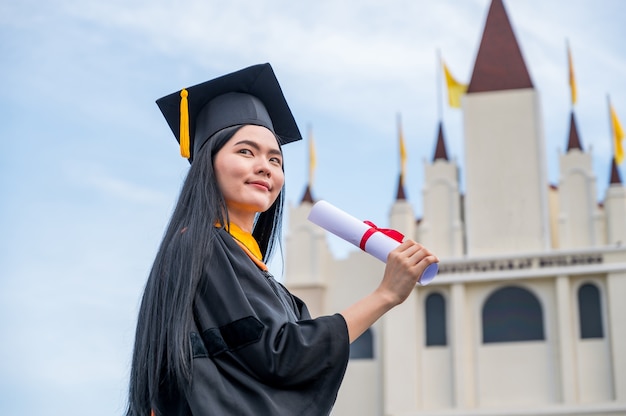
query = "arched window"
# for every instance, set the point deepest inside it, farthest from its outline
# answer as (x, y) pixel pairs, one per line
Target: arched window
(363, 346)
(590, 311)
(512, 314)
(436, 320)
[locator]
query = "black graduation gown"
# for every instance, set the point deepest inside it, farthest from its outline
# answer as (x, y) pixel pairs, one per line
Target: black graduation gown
(256, 350)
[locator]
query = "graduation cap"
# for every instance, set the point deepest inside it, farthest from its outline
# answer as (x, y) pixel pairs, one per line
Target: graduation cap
(249, 96)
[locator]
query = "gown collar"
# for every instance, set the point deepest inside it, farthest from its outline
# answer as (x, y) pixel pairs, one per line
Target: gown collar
(248, 243)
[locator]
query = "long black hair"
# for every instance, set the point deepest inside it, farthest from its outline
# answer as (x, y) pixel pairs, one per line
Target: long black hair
(161, 363)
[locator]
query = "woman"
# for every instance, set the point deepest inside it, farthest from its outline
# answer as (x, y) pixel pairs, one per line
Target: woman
(216, 334)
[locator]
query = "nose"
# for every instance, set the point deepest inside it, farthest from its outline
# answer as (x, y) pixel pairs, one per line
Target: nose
(264, 167)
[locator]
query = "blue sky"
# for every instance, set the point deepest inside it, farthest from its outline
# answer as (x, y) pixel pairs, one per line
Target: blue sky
(90, 171)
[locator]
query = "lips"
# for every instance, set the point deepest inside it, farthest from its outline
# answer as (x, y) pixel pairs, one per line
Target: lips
(261, 184)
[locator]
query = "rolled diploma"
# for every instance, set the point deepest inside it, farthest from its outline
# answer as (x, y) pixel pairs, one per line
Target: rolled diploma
(352, 230)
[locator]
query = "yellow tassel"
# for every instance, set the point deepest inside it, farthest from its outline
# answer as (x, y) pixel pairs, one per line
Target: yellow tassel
(184, 125)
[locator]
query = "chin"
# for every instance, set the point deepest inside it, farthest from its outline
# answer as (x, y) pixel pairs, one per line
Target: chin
(261, 207)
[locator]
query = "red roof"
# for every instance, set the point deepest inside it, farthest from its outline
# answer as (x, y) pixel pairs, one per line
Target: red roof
(400, 194)
(440, 150)
(615, 178)
(499, 63)
(574, 140)
(307, 196)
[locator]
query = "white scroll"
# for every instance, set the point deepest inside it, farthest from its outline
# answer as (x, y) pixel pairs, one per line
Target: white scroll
(361, 234)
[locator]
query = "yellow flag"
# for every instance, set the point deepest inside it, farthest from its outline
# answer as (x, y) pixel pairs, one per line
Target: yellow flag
(402, 153)
(455, 88)
(618, 136)
(572, 79)
(312, 158)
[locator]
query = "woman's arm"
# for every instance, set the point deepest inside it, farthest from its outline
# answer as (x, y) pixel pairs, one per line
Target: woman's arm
(404, 266)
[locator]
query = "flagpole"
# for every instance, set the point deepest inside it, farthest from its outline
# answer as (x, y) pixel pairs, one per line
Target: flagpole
(612, 137)
(571, 75)
(439, 85)
(611, 132)
(400, 144)
(309, 138)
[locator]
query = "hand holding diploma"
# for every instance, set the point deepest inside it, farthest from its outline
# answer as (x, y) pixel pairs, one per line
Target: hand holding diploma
(407, 264)
(365, 235)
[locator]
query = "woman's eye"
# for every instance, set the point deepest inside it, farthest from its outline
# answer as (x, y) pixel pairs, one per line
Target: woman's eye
(245, 151)
(276, 160)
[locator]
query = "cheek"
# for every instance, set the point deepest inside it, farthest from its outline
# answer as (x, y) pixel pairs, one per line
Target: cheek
(222, 175)
(223, 187)
(280, 180)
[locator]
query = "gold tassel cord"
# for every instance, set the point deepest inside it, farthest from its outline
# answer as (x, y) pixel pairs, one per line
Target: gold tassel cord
(184, 125)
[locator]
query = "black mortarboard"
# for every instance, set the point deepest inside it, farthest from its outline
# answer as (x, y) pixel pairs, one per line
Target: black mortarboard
(248, 96)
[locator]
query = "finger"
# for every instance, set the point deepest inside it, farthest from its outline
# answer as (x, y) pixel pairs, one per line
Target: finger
(409, 247)
(418, 252)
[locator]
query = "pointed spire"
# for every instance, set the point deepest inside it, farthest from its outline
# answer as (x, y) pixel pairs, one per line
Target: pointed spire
(615, 177)
(574, 140)
(440, 150)
(499, 63)
(307, 196)
(400, 195)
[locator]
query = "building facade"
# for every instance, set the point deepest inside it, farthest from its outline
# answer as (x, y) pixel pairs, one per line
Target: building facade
(525, 316)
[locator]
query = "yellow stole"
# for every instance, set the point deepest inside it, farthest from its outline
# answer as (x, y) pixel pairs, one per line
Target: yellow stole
(248, 243)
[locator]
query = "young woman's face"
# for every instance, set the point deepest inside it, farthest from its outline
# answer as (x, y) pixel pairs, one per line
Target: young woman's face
(249, 171)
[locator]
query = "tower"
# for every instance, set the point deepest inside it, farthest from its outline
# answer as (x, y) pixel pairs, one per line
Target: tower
(308, 256)
(580, 222)
(441, 228)
(504, 148)
(615, 208)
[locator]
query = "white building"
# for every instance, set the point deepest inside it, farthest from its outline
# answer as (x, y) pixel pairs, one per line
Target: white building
(526, 314)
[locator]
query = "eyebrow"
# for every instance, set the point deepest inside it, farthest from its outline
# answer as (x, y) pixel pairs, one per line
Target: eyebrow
(272, 151)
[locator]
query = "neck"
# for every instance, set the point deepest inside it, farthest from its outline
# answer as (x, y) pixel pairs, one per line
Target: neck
(246, 223)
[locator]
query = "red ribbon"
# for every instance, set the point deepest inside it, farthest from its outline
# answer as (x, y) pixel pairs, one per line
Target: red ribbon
(396, 235)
